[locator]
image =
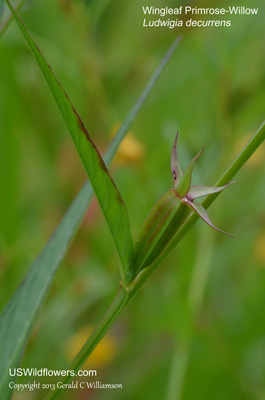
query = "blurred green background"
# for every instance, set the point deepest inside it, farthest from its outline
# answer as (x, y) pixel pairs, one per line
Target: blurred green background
(197, 328)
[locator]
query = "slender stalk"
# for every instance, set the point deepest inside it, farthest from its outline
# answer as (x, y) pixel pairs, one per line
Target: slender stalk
(58, 244)
(231, 171)
(125, 295)
(181, 355)
(201, 271)
(138, 105)
(178, 371)
(119, 303)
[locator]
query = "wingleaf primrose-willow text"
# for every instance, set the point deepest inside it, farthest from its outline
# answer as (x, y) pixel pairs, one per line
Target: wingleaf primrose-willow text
(193, 11)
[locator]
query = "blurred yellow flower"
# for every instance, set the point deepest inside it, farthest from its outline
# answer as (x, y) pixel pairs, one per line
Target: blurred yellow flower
(101, 356)
(259, 248)
(130, 151)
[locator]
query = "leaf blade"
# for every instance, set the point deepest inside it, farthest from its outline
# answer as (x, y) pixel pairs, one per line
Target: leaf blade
(19, 314)
(107, 193)
(48, 261)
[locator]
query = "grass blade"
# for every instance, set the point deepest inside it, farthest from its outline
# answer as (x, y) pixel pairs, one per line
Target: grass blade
(105, 189)
(19, 314)
(138, 105)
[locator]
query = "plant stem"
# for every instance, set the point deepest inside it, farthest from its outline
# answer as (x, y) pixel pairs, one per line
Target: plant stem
(119, 303)
(138, 105)
(201, 271)
(231, 171)
(182, 351)
(178, 371)
(124, 296)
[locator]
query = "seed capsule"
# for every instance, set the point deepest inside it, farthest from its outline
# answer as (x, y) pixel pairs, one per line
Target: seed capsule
(170, 212)
(162, 223)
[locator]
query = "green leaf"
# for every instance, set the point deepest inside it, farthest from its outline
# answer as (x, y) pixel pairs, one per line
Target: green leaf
(18, 316)
(105, 189)
(185, 180)
(122, 299)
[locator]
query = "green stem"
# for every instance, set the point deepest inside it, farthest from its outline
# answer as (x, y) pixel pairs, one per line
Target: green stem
(138, 105)
(231, 171)
(201, 270)
(181, 355)
(124, 296)
(178, 371)
(119, 303)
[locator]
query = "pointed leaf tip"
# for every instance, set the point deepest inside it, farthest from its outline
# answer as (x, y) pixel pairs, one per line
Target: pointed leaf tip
(200, 210)
(175, 165)
(197, 156)
(199, 191)
(105, 189)
(184, 183)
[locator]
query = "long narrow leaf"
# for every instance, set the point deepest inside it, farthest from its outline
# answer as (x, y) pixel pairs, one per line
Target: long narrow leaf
(105, 189)
(18, 317)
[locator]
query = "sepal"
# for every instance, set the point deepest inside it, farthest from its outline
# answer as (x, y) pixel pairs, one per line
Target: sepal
(184, 183)
(175, 165)
(199, 191)
(198, 208)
